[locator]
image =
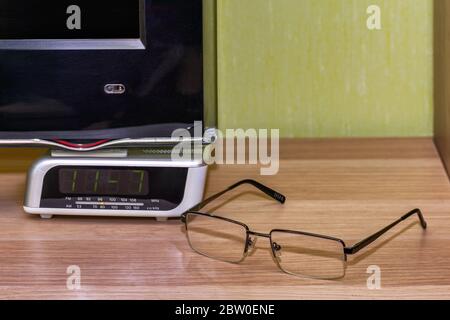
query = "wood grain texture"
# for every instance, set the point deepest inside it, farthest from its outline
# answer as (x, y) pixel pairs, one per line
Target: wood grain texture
(345, 188)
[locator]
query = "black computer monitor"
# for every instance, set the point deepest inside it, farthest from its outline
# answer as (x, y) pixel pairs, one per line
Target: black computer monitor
(85, 70)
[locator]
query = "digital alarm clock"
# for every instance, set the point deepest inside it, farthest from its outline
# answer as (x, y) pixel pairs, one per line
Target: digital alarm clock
(112, 184)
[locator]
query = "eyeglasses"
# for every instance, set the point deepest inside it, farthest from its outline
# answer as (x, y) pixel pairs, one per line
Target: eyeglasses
(295, 252)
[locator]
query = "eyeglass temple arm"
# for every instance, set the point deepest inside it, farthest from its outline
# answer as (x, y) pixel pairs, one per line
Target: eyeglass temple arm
(270, 192)
(364, 243)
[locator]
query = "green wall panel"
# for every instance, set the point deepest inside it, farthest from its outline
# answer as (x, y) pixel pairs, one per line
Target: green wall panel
(313, 69)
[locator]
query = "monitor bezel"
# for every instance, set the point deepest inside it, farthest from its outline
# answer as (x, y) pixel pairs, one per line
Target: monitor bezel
(210, 110)
(83, 44)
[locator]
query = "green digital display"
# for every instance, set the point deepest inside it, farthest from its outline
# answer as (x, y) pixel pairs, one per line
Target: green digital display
(103, 182)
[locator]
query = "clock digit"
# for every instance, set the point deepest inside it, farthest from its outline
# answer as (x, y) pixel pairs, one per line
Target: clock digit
(137, 184)
(74, 180)
(113, 181)
(141, 181)
(97, 177)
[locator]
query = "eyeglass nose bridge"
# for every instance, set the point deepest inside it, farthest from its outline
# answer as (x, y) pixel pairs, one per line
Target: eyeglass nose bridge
(259, 234)
(252, 237)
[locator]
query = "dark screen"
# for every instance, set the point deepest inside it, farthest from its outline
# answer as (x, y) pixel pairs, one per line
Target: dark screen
(40, 19)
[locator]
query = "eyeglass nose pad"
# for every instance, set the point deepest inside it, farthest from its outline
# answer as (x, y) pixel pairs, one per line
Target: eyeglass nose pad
(277, 251)
(252, 244)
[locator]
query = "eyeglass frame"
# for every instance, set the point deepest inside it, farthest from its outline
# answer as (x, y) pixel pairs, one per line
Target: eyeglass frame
(352, 250)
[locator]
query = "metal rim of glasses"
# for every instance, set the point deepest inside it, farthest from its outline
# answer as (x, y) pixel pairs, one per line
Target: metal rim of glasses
(313, 235)
(247, 230)
(248, 242)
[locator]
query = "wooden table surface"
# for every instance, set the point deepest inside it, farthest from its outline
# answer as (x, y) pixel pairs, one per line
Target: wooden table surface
(346, 188)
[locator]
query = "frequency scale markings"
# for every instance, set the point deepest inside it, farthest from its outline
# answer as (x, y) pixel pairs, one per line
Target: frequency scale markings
(92, 203)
